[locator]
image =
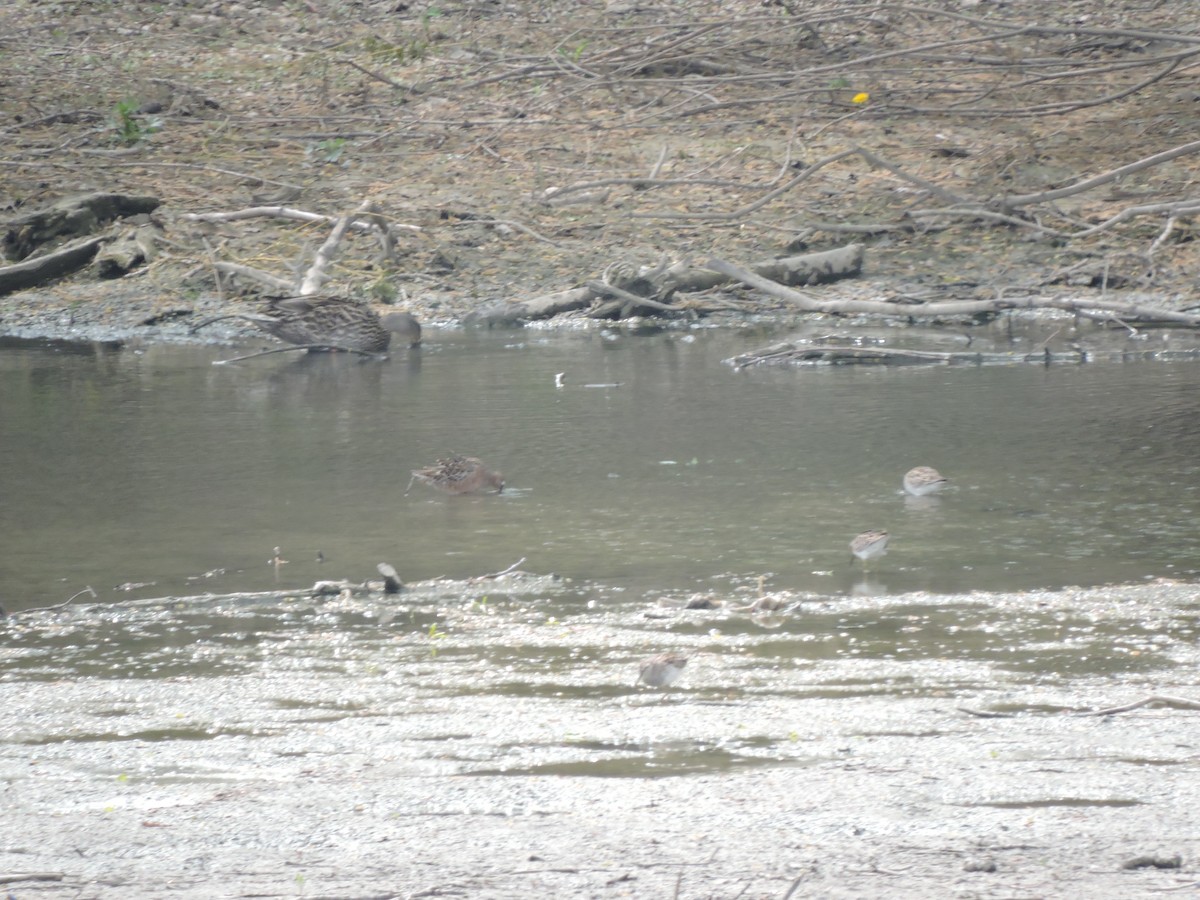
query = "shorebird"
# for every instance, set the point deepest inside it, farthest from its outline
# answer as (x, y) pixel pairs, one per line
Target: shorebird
(662, 670)
(333, 323)
(459, 475)
(923, 480)
(869, 545)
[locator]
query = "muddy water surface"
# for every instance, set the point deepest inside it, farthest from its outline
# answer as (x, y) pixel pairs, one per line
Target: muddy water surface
(655, 467)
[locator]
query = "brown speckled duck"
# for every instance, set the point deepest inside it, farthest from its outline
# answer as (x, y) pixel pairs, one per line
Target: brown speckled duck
(459, 475)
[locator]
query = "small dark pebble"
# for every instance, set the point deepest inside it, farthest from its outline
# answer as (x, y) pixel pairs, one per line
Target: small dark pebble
(979, 865)
(1153, 862)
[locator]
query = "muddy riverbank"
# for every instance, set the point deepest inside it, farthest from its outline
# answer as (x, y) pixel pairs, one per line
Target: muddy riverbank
(350, 758)
(514, 152)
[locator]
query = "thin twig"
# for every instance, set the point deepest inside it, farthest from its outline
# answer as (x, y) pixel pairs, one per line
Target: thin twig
(657, 167)
(984, 714)
(272, 281)
(212, 260)
(603, 289)
(345, 61)
(511, 224)
(1103, 178)
(762, 201)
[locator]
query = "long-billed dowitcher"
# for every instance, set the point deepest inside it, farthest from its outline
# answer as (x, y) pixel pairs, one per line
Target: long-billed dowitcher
(324, 322)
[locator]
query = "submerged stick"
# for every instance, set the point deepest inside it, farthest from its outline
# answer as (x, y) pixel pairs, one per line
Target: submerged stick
(499, 574)
(65, 603)
(222, 362)
(1175, 702)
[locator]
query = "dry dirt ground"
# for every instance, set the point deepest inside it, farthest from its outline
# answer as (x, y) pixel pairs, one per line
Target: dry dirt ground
(522, 147)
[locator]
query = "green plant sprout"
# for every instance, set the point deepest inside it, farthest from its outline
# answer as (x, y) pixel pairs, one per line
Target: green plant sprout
(435, 635)
(479, 605)
(576, 53)
(329, 151)
(128, 127)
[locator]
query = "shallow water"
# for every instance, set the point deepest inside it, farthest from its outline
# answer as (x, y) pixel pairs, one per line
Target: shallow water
(655, 469)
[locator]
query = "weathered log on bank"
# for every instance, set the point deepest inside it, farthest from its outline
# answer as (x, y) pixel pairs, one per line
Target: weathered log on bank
(63, 261)
(135, 246)
(1095, 308)
(805, 269)
(511, 313)
(651, 290)
(70, 216)
(790, 353)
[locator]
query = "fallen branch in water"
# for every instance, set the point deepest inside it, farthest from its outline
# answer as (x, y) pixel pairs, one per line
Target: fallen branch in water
(1152, 700)
(371, 589)
(65, 603)
(224, 362)
(493, 575)
(984, 714)
(787, 352)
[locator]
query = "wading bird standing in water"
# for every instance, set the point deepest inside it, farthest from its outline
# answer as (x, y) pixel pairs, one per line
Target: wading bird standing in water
(329, 323)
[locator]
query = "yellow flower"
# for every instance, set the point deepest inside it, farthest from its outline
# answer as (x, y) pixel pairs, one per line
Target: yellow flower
(860, 98)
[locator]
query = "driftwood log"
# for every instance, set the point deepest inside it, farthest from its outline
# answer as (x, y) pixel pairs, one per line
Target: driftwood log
(70, 217)
(798, 352)
(809, 268)
(1097, 308)
(652, 290)
(66, 259)
(131, 249)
